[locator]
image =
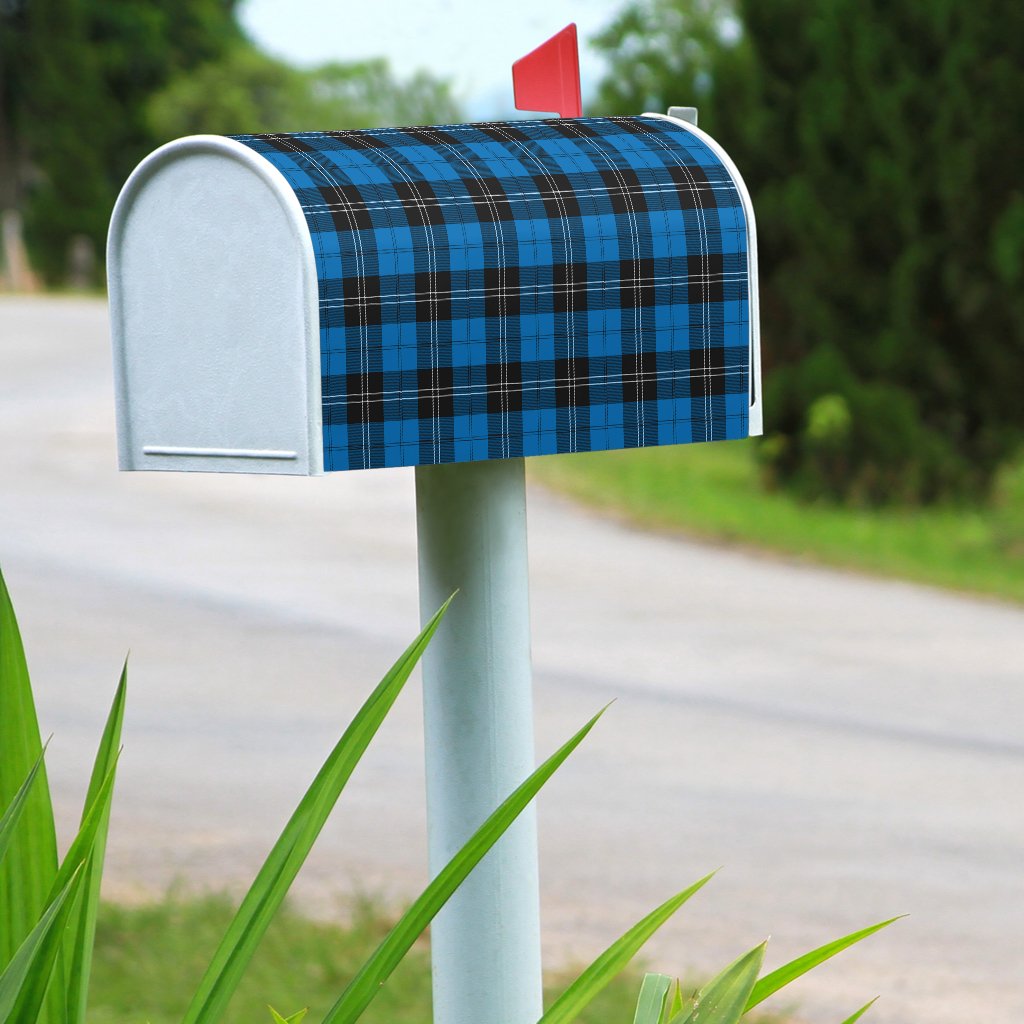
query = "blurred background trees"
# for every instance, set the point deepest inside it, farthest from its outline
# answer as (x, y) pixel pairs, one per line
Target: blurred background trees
(76, 78)
(89, 87)
(247, 87)
(880, 141)
(876, 139)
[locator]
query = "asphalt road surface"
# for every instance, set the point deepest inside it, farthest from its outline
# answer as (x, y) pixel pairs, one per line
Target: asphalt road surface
(846, 748)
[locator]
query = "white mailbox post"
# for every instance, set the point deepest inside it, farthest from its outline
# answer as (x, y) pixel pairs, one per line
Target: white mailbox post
(454, 298)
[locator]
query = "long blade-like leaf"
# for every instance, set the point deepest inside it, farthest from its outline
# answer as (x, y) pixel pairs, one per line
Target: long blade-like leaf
(854, 1017)
(23, 982)
(651, 1003)
(282, 864)
(30, 866)
(73, 866)
(572, 1001)
(723, 1000)
(372, 975)
(13, 813)
(771, 983)
(82, 931)
(675, 1006)
(84, 843)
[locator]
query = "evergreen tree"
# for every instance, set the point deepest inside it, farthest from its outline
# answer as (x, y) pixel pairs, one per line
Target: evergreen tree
(75, 81)
(88, 87)
(249, 91)
(880, 143)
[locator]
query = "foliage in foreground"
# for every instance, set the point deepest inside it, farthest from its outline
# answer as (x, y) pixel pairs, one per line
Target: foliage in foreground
(150, 956)
(726, 998)
(48, 913)
(890, 222)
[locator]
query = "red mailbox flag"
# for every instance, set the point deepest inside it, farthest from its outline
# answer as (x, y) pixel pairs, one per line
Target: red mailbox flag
(548, 78)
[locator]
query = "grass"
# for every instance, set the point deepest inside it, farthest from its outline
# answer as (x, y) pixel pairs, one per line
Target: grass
(149, 958)
(714, 492)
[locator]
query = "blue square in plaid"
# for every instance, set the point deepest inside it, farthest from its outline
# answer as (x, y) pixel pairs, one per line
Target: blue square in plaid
(523, 288)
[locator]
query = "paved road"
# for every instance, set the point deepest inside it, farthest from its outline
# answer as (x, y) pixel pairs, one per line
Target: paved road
(846, 748)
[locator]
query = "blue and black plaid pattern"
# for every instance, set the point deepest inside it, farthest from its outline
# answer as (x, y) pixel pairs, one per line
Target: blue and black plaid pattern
(522, 288)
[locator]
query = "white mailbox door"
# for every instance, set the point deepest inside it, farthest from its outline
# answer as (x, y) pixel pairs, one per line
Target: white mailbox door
(215, 316)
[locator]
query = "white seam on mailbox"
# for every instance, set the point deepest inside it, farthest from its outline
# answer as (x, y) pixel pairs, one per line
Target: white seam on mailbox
(218, 453)
(756, 416)
(714, 184)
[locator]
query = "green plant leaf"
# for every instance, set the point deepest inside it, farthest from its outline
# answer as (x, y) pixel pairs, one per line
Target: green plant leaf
(569, 1004)
(853, 1018)
(73, 866)
(17, 805)
(723, 1000)
(675, 1006)
(30, 866)
(651, 1003)
(82, 930)
(282, 864)
(295, 1018)
(372, 975)
(84, 843)
(24, 982)
(782, 976)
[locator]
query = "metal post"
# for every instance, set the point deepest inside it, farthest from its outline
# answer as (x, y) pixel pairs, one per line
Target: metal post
(478, 720)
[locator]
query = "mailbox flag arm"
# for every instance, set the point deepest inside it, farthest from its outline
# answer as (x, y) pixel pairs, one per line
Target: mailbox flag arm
(548, 78)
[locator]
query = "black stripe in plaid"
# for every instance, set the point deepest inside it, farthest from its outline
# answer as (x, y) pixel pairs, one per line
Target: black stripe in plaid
(523, 288)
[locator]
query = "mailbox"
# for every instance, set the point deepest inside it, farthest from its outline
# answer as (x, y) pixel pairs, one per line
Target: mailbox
(319, 301)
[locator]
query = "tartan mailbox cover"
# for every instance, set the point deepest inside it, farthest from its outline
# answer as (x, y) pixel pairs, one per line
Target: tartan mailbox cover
(347, 300)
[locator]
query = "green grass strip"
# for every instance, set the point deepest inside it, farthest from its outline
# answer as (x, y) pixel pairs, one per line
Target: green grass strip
(714, 492)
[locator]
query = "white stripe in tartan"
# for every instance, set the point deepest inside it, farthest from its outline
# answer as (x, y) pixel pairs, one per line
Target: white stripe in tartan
(522, 288)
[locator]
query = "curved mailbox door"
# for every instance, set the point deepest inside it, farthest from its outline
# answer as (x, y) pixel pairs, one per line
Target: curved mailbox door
(213, 294)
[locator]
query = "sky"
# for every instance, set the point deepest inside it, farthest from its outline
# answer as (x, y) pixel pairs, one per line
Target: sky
(471, 42)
